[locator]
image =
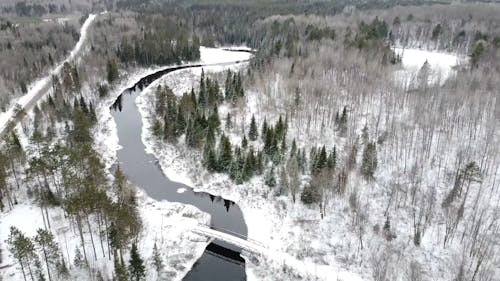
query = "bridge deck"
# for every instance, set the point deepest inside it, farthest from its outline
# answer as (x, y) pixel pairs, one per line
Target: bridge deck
(229, 238)
(307, 268)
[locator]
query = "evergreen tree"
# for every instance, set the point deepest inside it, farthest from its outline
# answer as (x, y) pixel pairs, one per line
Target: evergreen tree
(112, 70)
(225, 154)
(49, 248)
(369, 164)
(136, 265)
(253, 134)
(23, 250)
(264, 128)
(244, 142)
(79, 261)
(157, 260)
(331, 163)
(229, 124)
(121, 273)
(270, 179)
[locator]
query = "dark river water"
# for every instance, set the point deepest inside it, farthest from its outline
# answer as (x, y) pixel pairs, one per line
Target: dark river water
(220, 261)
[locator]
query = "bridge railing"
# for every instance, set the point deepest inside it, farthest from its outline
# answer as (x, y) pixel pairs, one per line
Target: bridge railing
(230, 232)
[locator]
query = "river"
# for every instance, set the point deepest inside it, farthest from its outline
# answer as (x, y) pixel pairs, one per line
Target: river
(220, 261)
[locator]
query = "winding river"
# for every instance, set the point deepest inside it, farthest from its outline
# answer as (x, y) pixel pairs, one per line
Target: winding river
(220, 261)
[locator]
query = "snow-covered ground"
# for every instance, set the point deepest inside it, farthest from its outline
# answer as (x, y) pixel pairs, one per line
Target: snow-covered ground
(164, 223)
(37, 89)
(441, 64)
(322, 245)
(261, 216)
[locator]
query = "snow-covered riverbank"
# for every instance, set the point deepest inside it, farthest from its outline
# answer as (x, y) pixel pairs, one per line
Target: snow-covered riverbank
(261, 216)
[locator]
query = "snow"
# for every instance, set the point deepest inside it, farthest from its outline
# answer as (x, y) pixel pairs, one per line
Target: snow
(37, 89)
(262, 218)
(220, 55)
(442, 64)
(164, 223)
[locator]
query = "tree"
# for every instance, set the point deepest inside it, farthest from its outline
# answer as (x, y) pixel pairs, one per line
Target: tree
(476, 53)
(23, 250)
(310, 194)
(112, 70)
(284, 182)
(121, 273)
(157, 260)
(225, 154)
(369, 164)
(49, 248)
(136, 265)
(270, 179)
(253, 134)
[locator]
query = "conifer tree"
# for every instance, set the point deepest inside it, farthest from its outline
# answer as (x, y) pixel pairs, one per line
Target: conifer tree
(369, 164)
(244, 142)
(136, 265)
(49, 248)
(157, 260)
(253, 134)
(270, 179)
(121, 273)
(229, 124)
(225, 154)
(23, 250)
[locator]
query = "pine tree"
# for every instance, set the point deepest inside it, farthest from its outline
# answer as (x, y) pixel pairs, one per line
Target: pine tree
(331, 163)
(23, 250)
(225, 154)
(270, 179)
(49, 248)
(244, 142)
(229, 124)
(121, 273)
(157, 260)
(264, 128)
(253, 134)
(136, 265)
(112, 70)
(78, 261)
(369, 164)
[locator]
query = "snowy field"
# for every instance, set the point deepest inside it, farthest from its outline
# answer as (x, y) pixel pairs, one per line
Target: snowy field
(441, 64)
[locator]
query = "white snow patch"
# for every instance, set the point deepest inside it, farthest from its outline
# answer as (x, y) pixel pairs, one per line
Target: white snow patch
(441, 64)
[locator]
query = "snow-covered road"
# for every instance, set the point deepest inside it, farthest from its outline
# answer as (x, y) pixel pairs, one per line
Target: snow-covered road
(39, 88)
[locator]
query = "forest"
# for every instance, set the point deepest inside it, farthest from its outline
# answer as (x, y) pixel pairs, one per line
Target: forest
(389, 179)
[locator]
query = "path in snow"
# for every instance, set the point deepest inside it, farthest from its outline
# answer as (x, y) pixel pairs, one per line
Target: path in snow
(40, 87)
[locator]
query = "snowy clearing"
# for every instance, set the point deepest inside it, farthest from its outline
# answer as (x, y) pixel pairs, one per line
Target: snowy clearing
(441, 64)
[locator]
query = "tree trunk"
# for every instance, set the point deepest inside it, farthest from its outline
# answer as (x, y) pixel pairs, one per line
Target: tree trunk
(47, 263)
(91, 236)
(80, 231)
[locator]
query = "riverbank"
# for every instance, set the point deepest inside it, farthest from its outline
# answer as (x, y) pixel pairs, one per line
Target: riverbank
(262, 216)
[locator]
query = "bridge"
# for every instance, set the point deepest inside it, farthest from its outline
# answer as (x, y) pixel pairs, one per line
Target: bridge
(230, 237)
(305, 268)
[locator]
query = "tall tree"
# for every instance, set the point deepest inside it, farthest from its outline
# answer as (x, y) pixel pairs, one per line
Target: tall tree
(136, 265)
